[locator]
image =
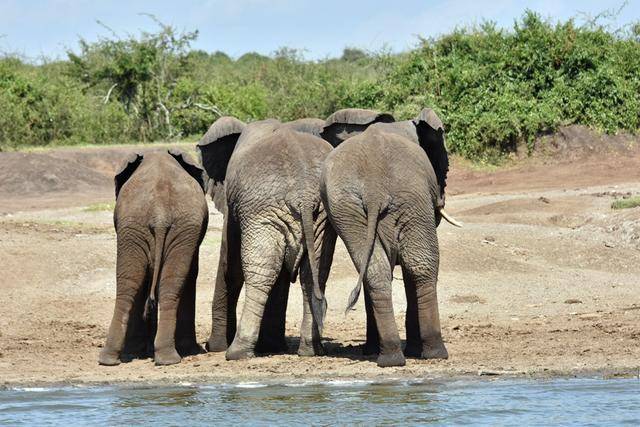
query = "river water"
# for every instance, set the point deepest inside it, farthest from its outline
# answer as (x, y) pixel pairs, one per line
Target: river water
(464, 401)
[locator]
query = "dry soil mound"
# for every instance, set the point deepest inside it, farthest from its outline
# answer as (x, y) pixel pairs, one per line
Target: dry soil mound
(32, 174)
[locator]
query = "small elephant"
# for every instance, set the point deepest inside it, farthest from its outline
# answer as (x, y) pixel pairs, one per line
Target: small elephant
(265, 178)
(160, 218)
(384, 193)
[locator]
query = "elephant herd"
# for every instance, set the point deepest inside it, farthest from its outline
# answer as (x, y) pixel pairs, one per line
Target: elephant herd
(286, 191)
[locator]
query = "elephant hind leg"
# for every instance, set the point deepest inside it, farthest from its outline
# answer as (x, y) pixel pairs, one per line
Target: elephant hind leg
(177, 267)
(130, 283)
(372, 344)
(272, 328)
(262, 259)
(186, 342)
(419, 260)
(413, 347)
(378, 281)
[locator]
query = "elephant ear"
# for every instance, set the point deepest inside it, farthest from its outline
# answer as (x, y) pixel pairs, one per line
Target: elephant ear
(431, 137)
(217, 145)
(308, 125)
(344, 124)
(126, 169)
(188, 165)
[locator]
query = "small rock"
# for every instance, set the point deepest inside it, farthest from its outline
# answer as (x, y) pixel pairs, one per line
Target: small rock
(609, 245)
(589, 316)
(573, 301)
(544, 200)
(488, 373)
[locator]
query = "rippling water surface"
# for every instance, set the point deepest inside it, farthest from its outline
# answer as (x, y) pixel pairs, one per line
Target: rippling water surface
(498, 402)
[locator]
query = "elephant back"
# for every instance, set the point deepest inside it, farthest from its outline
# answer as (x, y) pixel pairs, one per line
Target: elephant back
(349, 122)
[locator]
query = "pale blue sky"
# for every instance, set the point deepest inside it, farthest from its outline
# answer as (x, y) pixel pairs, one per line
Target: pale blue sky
(323, 27)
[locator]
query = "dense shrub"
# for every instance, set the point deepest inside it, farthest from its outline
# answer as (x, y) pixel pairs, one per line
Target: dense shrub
(494, 88)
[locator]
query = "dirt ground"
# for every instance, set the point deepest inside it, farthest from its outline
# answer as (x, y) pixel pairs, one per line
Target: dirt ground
(544, 278)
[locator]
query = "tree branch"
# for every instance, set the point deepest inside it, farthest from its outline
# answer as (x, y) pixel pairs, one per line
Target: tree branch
(106, 98)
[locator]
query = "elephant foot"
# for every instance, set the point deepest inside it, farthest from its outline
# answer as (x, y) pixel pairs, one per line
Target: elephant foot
(216, 344)
(309, 349)
(238, 351)
(108, 357)
(272, 346)
(413, 350)
(391, 359)
(166, 357)
(370, 348)
(437, 351)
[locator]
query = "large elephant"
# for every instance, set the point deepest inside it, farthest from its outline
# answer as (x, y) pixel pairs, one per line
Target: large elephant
(265, 178)
(160, 218)
(384, 193)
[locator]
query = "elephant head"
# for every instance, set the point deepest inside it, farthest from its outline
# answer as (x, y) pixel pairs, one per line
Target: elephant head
(427, 131)
(308, 125)
(134, 160)
(349, 122)
(216, 147)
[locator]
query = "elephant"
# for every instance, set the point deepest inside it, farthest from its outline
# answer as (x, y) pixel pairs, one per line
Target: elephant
(383, 190)
(160, 218)
(265, 178)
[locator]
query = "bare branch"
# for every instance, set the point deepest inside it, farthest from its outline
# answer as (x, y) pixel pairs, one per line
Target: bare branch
(208, 108)
(106, 98)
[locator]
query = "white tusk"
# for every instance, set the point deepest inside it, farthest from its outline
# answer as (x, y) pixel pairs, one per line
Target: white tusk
(449, 219)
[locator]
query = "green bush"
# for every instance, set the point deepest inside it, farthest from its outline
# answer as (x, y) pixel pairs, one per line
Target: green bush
(495, 89)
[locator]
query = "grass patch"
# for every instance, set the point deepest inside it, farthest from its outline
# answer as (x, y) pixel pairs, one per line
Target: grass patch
(631, 202)
(100, 207)
(184, 144)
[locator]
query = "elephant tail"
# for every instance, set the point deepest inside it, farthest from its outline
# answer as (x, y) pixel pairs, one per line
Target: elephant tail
(150, 304)
(306, 215)
(370, 240)
(318, 303)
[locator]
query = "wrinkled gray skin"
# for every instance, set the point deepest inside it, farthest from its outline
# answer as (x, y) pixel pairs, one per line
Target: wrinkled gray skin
(275, 226)
(382, 193)
(160, 219)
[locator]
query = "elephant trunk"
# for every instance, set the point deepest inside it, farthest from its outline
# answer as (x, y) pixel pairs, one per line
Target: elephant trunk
(372, 223)
(150, 304)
